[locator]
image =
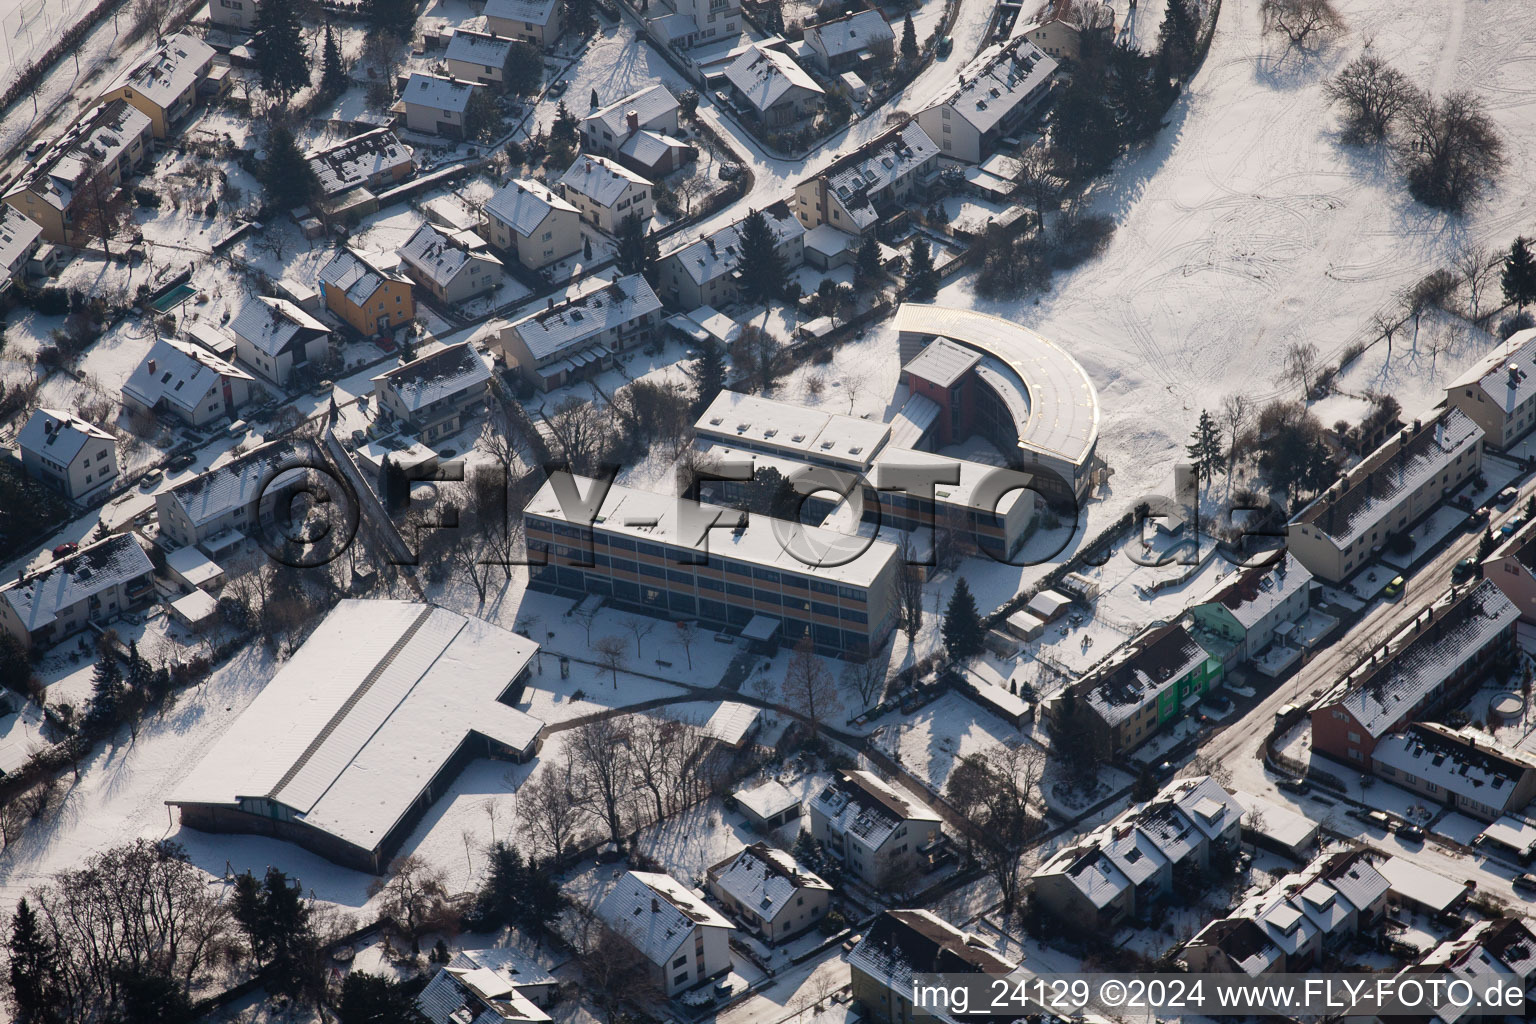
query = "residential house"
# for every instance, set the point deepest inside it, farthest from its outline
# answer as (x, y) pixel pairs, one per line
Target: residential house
(875, 831)
(579, 335)
(1289, 926)
(65, 452)
(113, 140)
(1254, 607)
(1465, 769)
(436, 105)
(164, 85)
(371, 299)
(437, 393)
(769, 893)
(840, 43)
(1065, 23)
(532, 21)
(275, 338)
(1498, 392)
(871, 186)
(94, 584)
(775, 89)
(1385, 494)
(697, 22)
(488, 986)
(1151, 680)
(373, 160)
(1448, 648)
(686, 941)
(233, 14)
(1499, 951)
(654, 154)
(990, 100)
(187, 382)
(653, 109)
(217, 509)
(1512, 568)
(453, 267)
(704, 272)
(1124, 868)
(902, 944)
(606, 193)
(527, 220)
(479, 57)
(20, 237)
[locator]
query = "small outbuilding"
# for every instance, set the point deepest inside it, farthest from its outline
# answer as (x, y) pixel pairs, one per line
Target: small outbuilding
(768, 805)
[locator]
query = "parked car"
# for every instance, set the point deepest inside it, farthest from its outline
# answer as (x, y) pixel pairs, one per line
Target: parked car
(1509, 528)
(322, 388)
(557, 87)
(1165, 770)
(237, 428)
(1219, 701)
(1506, 497)
(1297, 786)
(946, 47)
(65, 549)
(1464, 570)
(1381, 819)
(1476, 519)
(1411, 832)
(1394, 590)
(182, 461)
(151, 478)
(1525, 882)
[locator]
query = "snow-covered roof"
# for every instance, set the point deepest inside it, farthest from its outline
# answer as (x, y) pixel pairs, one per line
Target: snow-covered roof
(1383, 691)
(850, 34)
(1466, 763)
(731, 722)
(716, 255)
(354, 728)
(657, 913)
(1501, 951)
(1512, 831)
(173, 68)
(765, 77)
(522, 205)
(438, 92)
(100, 139)
(649, 105)
(536, 12)
(1506, 375)
(236, 484)
(349, 164)
(1001, 77)
(440, 258)
(1256, 591)
(807, 434)
(193, 566)
(18, 233)
(1060, 417)
(355, 277)
(486, 983)
(481, 48)
(58, 434)
(195, 607)
(826, 240)
(272, 325)
(448, 371)
(600, 180)
(859, 804)
(976, 487)
(649, 148)
(767, 800)
(901, 944)
(661, 519)
(180, 374)
(37, 599)
(1137, 672)
(1373, 490)
(1277, 822)
(764, 880)
(596, 307)
(715, 323)
(1419, 884)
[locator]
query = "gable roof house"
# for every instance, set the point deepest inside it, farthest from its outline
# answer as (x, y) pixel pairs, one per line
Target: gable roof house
(696, 22)
(453, 267)
(20, 237)
(902, 944)
(651, 112)
(74, 457)
(990, 100)
(113, 139)
(775, 89)
(685, 939)
(371, 299)
(488, 986)
(1249, 610)
(1465, 769)
(92, 585)
(1496, 951)
(1061, 29)
(839, 43)
(438, 393)
(186, 381)
(532, 21)
(870, 186)
(435, 105)
(1498, 392)
(607, 193)
(704, 272)
(1448, 647)
(479, 57)
(1386, 493)
(232, 14)
(769, 893)
(164, 85)
(213, 510)
(373, 160)
(527, 220)
(579, 335)
(874, 830)
(275, 338)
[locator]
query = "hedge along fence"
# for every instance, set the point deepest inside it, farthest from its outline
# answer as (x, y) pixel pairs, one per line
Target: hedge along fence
(1088, 554)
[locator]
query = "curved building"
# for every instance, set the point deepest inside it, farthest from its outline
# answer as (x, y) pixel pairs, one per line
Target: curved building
(996, 378)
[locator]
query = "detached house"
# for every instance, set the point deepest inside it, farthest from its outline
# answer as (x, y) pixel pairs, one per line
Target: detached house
(437, 393)
(532, 21)
(164, 86)
(579, 335)
(769, 893)
(1498, 393)
(607, 194)
(478, 57)
(371, 299)
(233, 14)
(1061, 31)
(652, 109)
(874, 830)
(990, 100)
(773, 87)
(72, 456)
(95, 584)
(214, 510)
(838, 44)
(452, 268)
(435, 105)
(900, 945)
(373, 160)
(275, 338)
(528, 221)
(696, 22)
(187, 382)
(704, 272)
(488, 986)
(870, 186)
(686, 940)
(20, 237)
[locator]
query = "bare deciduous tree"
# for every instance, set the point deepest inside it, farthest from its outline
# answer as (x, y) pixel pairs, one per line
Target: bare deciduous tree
(610, 654)
(581, 434)
(909, 593)
(1478, 266)
(650, 748)
(599, 751)
(1302, 21)
(639, 628)
(1300, 365)
(414, 895)
(808, 687)
(867, 677)
(1373, 95)
(992, 788)
(1038, 180)
(553, 804)
(1451, 149)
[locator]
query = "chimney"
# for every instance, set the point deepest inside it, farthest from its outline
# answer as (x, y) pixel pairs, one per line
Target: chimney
(632, 120)
(151, 366)
(551, 301)
(655, 905)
